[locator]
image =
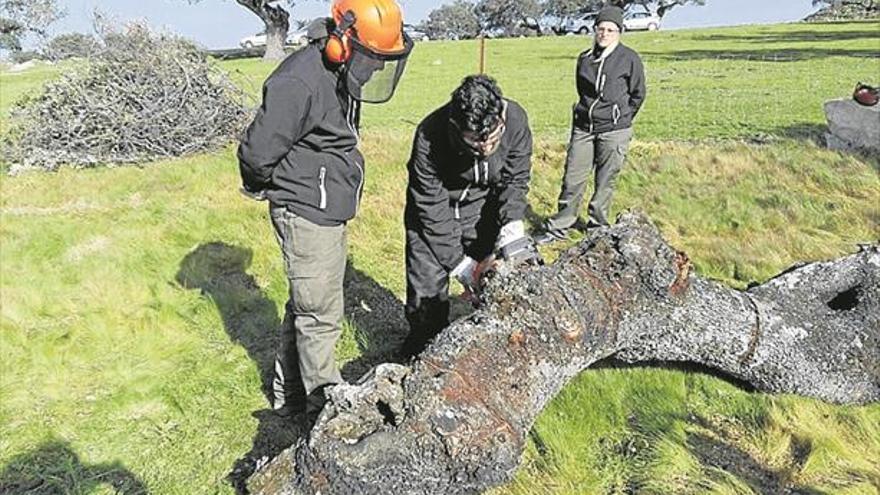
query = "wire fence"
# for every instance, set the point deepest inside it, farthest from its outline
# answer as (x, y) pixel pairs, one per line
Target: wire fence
(702, 93)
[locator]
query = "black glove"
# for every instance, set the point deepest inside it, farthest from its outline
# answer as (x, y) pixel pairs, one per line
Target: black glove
(522, 250)
(257, 195)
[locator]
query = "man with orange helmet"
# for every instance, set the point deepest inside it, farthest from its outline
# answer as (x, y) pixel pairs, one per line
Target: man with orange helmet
(300, 153)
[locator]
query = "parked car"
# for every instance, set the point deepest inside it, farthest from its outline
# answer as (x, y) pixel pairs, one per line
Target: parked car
(414, 33)
(295, 37)
(298, 37)
(544, 26)
(254, 41)
(641, 21)
(496, 32)
(580, 23)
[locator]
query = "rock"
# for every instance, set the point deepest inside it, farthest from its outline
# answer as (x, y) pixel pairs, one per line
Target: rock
(456, 420)
(853, 127)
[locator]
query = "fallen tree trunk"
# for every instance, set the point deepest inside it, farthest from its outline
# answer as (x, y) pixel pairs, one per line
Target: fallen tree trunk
(456, 421)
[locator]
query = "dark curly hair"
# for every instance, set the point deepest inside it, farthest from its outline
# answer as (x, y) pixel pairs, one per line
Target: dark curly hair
(477, 105)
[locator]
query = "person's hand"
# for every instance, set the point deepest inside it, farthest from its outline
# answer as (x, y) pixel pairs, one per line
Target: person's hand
(522, 250)
(469, 274)
(516, 247)
(256, 195)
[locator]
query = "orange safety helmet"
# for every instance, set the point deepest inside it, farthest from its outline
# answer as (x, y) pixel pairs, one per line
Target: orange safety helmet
(374, 24)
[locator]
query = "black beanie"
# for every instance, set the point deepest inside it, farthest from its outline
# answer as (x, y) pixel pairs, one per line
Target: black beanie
(611, 14)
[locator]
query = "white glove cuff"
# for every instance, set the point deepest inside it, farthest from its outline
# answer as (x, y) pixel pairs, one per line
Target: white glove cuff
(510, 232)
(464, 268)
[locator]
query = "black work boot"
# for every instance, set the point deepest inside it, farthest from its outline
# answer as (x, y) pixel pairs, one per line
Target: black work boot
(291, 408)
(314, 404)
(413, 345)
(551, 235)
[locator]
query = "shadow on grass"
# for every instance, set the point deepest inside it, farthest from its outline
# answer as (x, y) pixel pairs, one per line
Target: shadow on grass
(614, 363)
(378, 319)
(763, 55)
(806, 36)
(720, 457)
(250, 318)
(54, 468)
(815, 133)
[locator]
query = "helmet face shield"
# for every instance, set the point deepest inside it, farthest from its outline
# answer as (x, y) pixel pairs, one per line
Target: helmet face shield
(372, 77)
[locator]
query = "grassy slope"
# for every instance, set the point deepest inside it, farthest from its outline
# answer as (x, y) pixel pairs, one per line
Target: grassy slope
(117, 368)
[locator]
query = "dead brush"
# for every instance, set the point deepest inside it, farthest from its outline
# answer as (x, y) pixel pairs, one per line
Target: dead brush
(143, 96)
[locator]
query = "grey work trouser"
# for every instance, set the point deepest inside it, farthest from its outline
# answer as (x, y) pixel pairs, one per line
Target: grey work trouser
(603, 153)
(314, 259)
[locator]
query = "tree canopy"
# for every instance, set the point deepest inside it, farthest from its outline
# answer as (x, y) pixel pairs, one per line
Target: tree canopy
(470, 18)
(21, 18)
(453, 21)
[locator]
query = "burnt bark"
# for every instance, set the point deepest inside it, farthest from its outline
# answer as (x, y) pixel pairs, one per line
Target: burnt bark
(455, 421)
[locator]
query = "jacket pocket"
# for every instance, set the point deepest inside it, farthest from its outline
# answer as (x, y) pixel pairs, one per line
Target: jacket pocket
(341, 185)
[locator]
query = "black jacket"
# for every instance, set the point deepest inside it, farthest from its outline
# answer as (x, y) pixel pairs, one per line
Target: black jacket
(453, 196)
(610, 89)
(301, 146)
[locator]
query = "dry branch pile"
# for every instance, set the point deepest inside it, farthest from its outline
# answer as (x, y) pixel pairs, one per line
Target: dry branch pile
(846, 11)
(141, 97)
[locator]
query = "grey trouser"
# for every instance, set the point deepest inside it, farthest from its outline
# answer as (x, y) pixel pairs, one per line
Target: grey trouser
(314, 259)
(603, 153)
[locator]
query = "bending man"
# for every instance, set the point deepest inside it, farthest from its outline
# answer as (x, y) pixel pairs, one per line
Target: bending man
(466, 196)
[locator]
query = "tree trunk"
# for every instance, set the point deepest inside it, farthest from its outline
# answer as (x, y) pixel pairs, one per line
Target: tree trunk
(456, 420)
(275, 37)
(276, 20)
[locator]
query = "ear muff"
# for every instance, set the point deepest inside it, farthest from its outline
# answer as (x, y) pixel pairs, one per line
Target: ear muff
(338, 49)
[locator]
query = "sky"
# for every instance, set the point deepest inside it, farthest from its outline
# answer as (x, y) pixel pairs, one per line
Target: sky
(222, 23)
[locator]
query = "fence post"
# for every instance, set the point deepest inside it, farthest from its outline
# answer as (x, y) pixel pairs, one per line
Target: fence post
(482, 54)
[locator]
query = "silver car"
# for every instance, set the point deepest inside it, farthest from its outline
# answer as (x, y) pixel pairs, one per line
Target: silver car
(641, 21)
(415, 34)
(580, 23)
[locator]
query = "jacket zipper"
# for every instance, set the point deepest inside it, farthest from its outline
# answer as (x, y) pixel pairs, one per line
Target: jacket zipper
(600, 86)
(615, 113)
(351, 120)
(323, 187)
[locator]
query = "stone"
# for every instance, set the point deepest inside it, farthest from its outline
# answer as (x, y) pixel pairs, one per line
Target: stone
(853, 127)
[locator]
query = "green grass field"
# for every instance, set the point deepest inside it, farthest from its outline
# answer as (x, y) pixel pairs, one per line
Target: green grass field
(139, 304)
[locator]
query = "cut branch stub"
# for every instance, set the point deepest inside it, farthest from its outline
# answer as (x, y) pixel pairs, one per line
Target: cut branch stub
(456, 421)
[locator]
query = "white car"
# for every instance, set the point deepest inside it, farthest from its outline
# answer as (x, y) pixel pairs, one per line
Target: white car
(580, 24)
(251, 42)
(294, 38)
(299, 37)
(415, 34)
(641, 21)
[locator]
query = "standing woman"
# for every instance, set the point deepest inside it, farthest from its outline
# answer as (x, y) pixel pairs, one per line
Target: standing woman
(611, 89)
